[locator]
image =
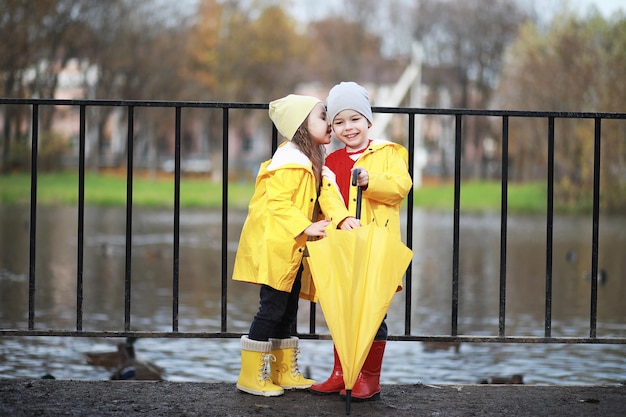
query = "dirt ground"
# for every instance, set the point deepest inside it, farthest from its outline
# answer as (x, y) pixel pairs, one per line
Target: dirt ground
(21, 397)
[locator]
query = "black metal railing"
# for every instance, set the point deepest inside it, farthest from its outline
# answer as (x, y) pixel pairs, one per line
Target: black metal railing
(459, 116)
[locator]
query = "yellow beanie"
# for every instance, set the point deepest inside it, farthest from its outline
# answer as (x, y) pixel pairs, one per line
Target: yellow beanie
(289, 112)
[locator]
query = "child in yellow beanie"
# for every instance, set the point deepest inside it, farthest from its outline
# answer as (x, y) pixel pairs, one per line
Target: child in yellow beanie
(273, 240)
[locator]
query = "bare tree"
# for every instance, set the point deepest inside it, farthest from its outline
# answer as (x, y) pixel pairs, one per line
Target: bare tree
(469, 37)
(344, 51)
(39, 39)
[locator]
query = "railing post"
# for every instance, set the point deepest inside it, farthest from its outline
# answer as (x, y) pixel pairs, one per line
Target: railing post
(595, 231)
(549, 228)
(81, 220)
(224, 318)
(33, 216)
(129, 216)
(408, 284)
(176, 242)
(457, 216)
(503, 225)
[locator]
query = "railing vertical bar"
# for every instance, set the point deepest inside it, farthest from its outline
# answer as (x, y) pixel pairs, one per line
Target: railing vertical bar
(457, 216)
(129, 216)
(176, 237)
(408, 283)
(225, 149)
(312, 315)
(549, 228)
(81, 219)
(595, 233)
(503, 225)
(274, 139)
(33, 216)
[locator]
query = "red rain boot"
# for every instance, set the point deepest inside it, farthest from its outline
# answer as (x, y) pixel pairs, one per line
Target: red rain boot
(367, 384)
(334, 383)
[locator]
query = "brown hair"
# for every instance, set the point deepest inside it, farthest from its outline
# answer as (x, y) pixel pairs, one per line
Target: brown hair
(315, 153)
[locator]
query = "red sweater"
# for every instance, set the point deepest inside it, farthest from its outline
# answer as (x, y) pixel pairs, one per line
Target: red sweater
(341, 162)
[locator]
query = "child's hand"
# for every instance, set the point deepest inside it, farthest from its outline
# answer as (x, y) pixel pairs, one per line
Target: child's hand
(349, 223)
(363, 179)
(317, 228)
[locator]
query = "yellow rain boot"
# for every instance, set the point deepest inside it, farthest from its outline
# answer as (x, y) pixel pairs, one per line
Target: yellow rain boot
(285, 370)
(254, 377)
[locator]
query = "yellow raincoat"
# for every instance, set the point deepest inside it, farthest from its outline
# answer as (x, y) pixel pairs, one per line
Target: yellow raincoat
(272, 241)
(389, 183)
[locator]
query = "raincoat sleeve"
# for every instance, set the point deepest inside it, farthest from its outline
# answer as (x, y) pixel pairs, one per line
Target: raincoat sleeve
(391, 185)
(331, 202)
(281, 200)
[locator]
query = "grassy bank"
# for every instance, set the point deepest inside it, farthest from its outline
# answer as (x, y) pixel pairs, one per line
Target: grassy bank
(62, 189)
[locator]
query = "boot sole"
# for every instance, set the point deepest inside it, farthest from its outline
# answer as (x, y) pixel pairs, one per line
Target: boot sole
(260, 393)
(324, 392)
(296, 387)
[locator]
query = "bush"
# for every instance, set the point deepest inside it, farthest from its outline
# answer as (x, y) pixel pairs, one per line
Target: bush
(52, 147)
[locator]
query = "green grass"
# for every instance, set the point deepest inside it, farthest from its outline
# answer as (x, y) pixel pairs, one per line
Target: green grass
(62, 189)
(483, 196)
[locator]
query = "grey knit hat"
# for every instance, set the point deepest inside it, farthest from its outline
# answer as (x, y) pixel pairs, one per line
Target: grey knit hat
(348, 96)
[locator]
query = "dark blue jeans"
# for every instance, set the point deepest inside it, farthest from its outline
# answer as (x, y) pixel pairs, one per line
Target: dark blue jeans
(381, 334)
(278, 312)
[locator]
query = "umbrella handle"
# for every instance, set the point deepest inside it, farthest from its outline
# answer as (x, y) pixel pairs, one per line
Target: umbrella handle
(359, 193)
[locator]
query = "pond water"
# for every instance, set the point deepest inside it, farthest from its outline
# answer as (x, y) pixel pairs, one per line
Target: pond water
(212, 360)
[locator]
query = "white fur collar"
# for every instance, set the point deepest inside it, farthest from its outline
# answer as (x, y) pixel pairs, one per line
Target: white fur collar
(288, 154)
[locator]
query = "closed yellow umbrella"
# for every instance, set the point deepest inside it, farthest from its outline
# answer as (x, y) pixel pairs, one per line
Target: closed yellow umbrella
(356, 274)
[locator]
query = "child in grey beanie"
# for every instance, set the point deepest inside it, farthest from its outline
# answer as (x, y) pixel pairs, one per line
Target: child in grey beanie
(348, 95)
(384, 179)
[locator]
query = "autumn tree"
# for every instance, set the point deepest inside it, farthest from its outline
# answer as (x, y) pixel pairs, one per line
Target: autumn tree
(242, 51)
(245, 52)
(202, 48)
(613, 99)
(575, 65)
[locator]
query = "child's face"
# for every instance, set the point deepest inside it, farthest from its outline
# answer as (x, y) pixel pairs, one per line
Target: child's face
(318, 127)
(351, 128)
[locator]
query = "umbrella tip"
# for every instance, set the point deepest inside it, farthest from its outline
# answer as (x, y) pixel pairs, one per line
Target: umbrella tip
(348, 397)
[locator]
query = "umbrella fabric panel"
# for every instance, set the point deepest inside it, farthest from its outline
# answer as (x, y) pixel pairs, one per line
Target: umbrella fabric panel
(356, 273)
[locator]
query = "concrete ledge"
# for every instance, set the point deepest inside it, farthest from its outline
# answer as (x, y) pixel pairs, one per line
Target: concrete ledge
(25, 397)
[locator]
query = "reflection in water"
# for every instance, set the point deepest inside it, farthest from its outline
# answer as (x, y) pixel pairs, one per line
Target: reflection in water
(200, 297)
